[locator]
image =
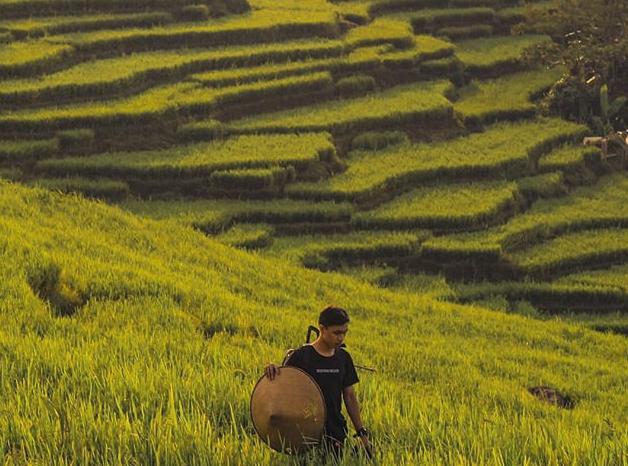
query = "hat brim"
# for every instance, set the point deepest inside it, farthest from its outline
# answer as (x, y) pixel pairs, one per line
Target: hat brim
(289, 412)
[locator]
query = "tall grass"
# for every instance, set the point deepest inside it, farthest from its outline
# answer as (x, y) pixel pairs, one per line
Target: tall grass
(156, 364)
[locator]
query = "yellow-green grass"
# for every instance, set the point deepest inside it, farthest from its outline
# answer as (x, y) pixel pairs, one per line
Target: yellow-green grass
(381, 31)
(494, 56)
(505, 149)
(592, 207)
(434, 286)
(358, 59)
(615, 277)
(27, 8)
(19, 58)
(555, 298)
(384, 6)
(98, 188)
(356, 11)
(551, 298)
(545, 185)
(257, 26)
(36, 27)
(158, 363)
(568, 158)
(247, 236)
(574, 251)
(200, 159)
(256, 179)
(217, 215)
(398, 105)
(101, 78)
(456, 33)
(427, 20)
(506, 98)
(468, 206)
(160, 103)
(15, 151)
(11, 174)
(337, 250)
(517, 14)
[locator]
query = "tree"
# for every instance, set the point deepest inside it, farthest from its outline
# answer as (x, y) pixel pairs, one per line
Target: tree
(589, 39)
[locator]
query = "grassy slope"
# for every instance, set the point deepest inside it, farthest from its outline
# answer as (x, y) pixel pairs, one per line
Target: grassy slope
(143, 374)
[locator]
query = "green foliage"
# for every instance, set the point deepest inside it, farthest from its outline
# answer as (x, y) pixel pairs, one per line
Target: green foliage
(589, 38)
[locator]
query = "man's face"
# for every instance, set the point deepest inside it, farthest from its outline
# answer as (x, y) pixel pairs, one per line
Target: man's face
(334, 335)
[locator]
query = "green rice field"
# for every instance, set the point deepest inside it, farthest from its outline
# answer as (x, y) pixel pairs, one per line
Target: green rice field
(185, 185)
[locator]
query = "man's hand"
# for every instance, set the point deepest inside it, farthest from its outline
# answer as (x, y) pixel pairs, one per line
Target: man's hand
(367, 446)
(271, 371)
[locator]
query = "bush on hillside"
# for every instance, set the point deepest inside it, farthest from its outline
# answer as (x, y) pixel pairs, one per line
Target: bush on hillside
(590, 41)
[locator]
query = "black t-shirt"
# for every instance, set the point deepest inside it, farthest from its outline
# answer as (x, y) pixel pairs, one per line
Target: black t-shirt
(332, 374)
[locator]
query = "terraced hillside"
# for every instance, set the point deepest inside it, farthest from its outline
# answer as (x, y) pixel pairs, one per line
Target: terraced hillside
(131, 341)
(395, 140)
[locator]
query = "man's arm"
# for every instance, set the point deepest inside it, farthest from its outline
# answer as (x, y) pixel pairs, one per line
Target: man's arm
(353, 409)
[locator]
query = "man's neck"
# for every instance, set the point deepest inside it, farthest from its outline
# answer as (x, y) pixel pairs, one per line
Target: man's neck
(322, 348)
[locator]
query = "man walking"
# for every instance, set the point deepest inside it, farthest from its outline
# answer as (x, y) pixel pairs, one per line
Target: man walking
(331, 366)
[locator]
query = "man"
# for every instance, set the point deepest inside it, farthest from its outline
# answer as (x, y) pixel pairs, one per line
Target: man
(332, 368)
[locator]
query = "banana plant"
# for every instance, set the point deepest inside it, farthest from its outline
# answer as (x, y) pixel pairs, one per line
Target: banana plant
(608, 112)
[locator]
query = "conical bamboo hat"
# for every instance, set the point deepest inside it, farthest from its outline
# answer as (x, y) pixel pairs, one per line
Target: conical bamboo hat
(288, 412)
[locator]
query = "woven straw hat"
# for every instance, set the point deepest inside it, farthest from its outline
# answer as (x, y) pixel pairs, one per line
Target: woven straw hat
(288, 412)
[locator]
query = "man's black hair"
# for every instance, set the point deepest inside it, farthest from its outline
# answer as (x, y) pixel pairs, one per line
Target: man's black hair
(333, 315)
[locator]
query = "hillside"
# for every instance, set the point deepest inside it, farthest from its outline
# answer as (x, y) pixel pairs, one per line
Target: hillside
(131, 341)
(395, 140)
(184, 185)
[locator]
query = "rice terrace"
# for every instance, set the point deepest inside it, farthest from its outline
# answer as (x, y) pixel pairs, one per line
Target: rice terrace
(186, 184)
